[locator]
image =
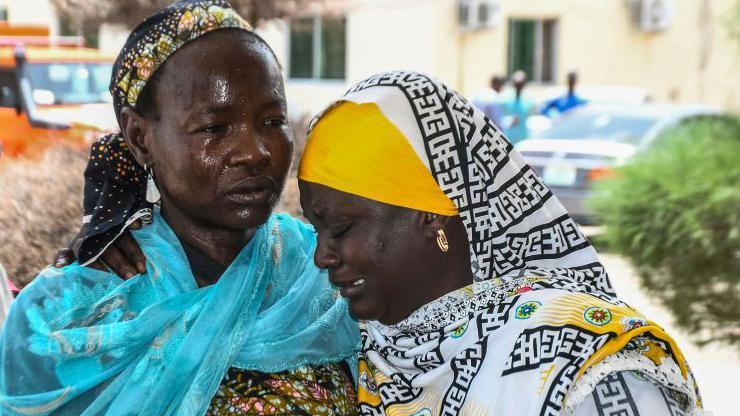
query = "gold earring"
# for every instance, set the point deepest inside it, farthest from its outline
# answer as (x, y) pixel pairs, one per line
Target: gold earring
(442, 241)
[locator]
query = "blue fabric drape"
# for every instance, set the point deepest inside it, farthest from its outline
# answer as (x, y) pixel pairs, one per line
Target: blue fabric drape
(84, 342)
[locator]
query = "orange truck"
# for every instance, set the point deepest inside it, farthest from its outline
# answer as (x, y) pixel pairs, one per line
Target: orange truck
(52, 90)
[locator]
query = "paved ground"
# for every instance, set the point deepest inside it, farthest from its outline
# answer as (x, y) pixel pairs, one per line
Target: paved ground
(716, 368)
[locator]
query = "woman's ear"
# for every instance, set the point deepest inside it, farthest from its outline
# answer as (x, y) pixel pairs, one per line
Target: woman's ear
(431, 223)
(134, 129)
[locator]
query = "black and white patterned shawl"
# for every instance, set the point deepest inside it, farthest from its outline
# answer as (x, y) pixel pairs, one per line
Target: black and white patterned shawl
(513, 221)
(540, 304)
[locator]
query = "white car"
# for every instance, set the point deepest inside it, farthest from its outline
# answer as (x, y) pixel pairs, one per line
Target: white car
(587, 143)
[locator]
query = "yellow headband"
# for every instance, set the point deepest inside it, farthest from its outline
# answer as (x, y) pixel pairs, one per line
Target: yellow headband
(354, 148)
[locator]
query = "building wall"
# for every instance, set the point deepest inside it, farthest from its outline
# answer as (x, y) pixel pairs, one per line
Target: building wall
(111, 38)
(692, 61)
(32, 12)
(381, 35)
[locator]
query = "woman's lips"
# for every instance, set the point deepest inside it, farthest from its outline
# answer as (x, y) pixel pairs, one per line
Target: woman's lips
(255, 190)
(257, 196)
(352, 288)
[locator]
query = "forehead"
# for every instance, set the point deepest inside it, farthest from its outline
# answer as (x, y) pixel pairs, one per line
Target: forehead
(322, 201)
(223, 61)
(319, 197)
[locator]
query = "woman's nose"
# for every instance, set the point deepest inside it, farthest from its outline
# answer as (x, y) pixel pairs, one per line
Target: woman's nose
(325, 257)
(250, 150)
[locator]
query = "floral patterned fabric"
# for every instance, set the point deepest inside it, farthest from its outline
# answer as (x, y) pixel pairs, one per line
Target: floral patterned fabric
(308, 390)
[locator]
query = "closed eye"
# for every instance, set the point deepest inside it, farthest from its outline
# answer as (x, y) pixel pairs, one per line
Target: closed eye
(336, 233)
(276, 122)
(214, 129)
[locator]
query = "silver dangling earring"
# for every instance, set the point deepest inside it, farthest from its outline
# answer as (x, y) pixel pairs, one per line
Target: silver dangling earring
(152, 193)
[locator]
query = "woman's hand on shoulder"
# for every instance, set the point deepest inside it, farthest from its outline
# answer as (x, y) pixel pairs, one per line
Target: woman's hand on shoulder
(124, 257)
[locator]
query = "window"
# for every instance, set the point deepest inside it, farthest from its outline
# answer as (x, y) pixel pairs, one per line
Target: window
(317, 48)
(8, 88)
(478, 14)
(70, 83)
(532, 46)
(463, 13)
(88, 32)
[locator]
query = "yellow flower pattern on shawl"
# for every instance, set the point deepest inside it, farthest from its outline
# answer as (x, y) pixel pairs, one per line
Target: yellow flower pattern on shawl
(370, 378)
(624, 324)
(588, 312)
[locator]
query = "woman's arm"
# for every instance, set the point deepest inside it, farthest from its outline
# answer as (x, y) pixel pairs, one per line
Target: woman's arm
(124, 256)
(113, 194)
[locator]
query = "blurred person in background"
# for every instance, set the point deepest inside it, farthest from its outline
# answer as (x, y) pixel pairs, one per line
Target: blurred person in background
(518, 106)
(561, 105)
(228, 315)
(489, 100)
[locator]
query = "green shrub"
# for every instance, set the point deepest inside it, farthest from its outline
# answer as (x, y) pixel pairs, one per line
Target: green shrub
(674, 210)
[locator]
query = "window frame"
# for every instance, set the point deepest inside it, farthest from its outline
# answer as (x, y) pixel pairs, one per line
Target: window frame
(537, 74)
(316, 52)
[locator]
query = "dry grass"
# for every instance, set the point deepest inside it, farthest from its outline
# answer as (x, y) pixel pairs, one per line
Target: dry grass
(40, 209)
(290, 201)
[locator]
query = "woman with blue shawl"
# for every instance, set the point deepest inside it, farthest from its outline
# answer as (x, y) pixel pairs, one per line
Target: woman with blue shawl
(230, 316)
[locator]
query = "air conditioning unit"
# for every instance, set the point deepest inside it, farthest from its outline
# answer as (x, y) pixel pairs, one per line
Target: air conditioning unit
(478, 14)
(652, 15)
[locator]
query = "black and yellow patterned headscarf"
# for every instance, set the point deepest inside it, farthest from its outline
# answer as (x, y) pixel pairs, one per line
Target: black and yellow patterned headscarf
(159, 37)
(114, 182)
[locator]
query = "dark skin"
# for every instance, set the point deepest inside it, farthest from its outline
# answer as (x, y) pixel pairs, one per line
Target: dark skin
(393, 249)
(497, 83)
(519, 86)
(572, 80)
(384, 259)
(219, 145)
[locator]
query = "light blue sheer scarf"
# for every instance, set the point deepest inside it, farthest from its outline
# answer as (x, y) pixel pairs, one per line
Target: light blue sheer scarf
(83, 342)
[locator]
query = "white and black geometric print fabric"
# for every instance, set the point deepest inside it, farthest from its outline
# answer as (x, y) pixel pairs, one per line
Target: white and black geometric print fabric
(629, 393)
(460, 353)
(612, 397)
(512, 219)
(674, 401)
(541, 345)
(464, 369)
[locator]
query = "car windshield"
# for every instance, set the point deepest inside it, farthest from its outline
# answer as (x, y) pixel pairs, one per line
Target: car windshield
(600, 126)
(70, 83)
